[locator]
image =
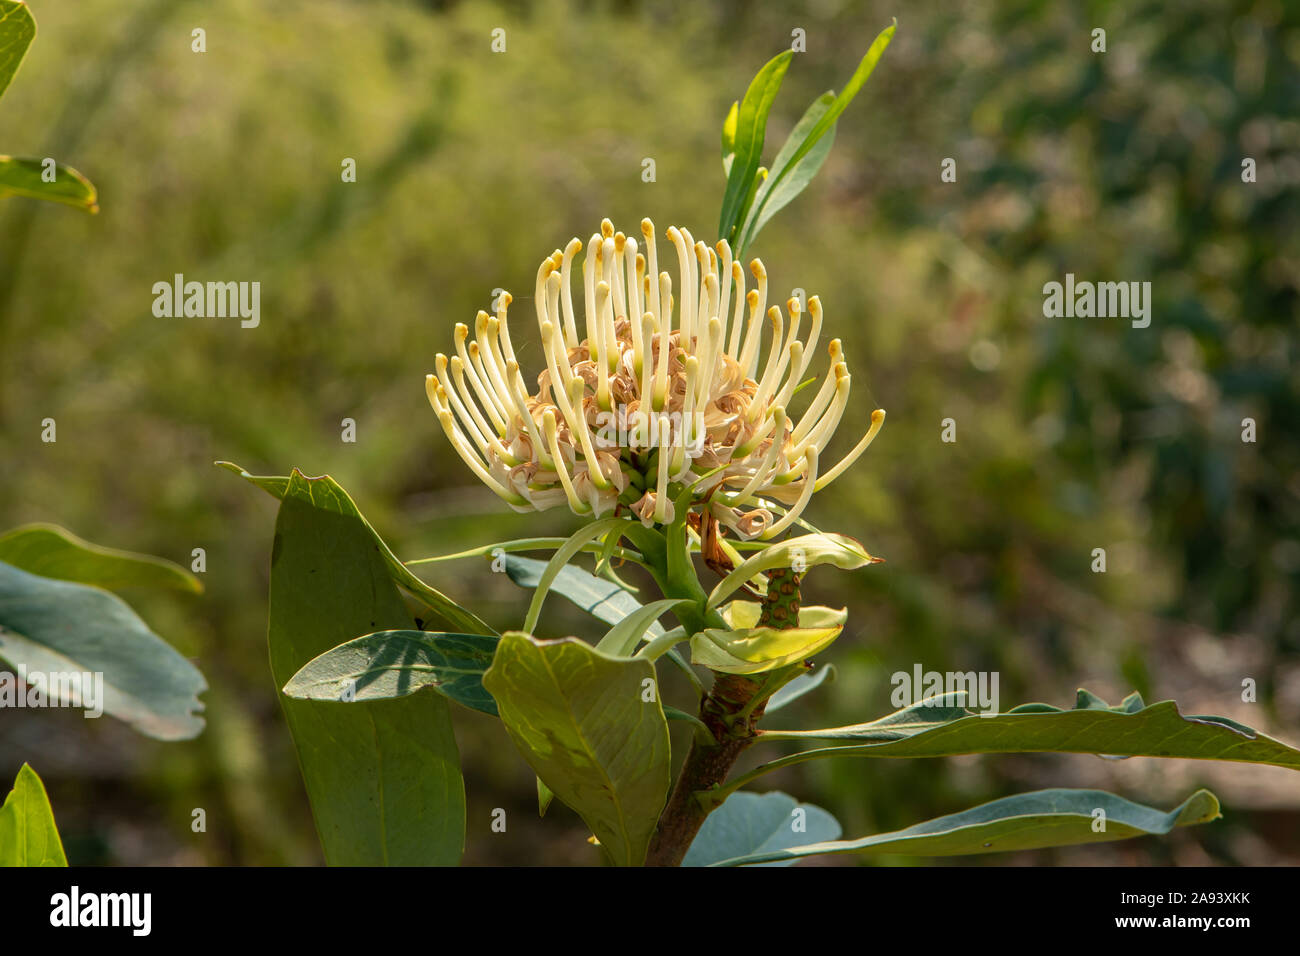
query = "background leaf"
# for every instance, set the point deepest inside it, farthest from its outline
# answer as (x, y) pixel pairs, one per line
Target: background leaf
(54, 552)
(1028, 821)
(22, 177)
(578, 718)
(62, 627)
(751, 823)
(391, 664)
(383, 777)
(17, 30)
(28, 834)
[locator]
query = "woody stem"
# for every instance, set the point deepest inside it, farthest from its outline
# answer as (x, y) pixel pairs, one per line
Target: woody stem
(730, 711)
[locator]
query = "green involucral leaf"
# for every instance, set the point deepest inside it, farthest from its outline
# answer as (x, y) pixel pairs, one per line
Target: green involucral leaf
(807, 550)
(942, 726)
(17, 30)
(622, 639)
(792, 163)
(751, 130)
(583, 722)
(1029, 821)
(54, 552)
(384, 776)
(391, 664)
(58, 629)
(28, 836)
(755, 823)
(803, 684)
(745, 648)
(26, 177)
(456, 618)
(787, 180)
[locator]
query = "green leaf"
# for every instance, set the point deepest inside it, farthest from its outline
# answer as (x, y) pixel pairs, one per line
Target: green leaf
(622, 639)
(544, 797)
(25, 177)
(17, 30)
(755, 823)
(457, 618)
(788, 179)
(391, 664)
(746, 648)
(28, 835)
(809, 550)
(578, 717)
(602, 599)
(59, 629)
(941, 726)
(811, 138)
(803, 684)
(384, 777)
(1028, 821)
(729, 137)
(524, 544)
(54, 552)
(563, 555)
(751, 130)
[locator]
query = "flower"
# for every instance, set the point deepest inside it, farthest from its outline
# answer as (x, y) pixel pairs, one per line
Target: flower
(630, 410)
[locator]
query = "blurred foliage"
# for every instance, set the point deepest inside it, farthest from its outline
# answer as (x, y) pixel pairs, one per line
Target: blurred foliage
(1072, 434)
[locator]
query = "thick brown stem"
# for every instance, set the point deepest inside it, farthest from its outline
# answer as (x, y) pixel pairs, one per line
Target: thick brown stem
(731, 716)
(707, 765)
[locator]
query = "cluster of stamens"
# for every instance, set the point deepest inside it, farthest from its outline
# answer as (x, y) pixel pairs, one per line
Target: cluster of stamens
(629, 410)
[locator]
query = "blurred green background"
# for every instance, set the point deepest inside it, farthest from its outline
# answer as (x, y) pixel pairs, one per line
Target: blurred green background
(1072, 434)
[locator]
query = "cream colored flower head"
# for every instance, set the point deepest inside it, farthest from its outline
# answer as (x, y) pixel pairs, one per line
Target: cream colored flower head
(649, 394)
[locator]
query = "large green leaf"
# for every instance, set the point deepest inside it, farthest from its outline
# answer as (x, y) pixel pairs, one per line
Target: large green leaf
(60, 629)
(581, 720)
(391, 664)
(1028, 821)
(751, 130)
(17, 30)
(942, 726)
(28, 836)
(54, 552)
(383, 776)
(26, 177)
(751, 823)
(456, 618)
